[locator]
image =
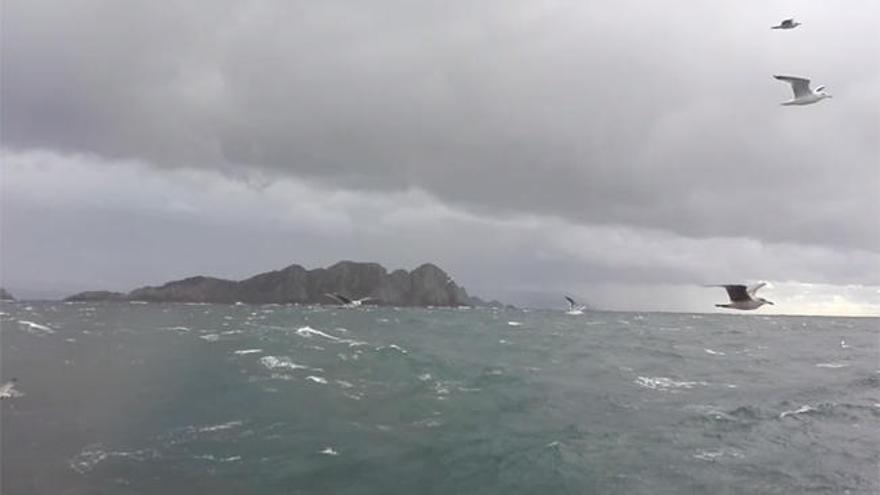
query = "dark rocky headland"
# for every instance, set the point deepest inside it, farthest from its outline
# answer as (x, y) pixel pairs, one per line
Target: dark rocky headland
(5, 296)
(427, 285)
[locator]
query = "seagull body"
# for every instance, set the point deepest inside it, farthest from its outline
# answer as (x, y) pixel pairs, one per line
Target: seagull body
(346, 302)
(742, 297)
(803, 95)
(574, 308)
(787, 24)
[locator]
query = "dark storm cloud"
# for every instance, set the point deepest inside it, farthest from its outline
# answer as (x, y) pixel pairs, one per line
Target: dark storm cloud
(661, 115)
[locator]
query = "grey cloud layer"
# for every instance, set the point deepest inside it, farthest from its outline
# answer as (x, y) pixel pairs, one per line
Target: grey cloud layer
(659, 116)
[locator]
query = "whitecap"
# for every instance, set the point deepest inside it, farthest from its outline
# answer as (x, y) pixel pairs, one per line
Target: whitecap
(514, 323)
(91, 455)
(308, 332)
(425, 377)
(177, 328)
(222, 426)
(211, 337)
(832, 365)
(344, 384)
(87, 459)
(664, 383)
(281, 376)
(317, 379)
(36, 326)
(706, 455)
(283, 362)
(329, 451)
(247, 351)
(714, 353)
(209, 457)
(801, 410)
(428, 423)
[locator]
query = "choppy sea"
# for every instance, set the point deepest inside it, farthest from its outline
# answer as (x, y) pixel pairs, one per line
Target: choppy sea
(118, 398)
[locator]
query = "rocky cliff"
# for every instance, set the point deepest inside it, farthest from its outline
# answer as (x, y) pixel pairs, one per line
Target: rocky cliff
(5, 296)
(97, 295)
(427, 285)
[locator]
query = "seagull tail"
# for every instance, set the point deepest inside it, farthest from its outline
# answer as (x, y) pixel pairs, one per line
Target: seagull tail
(722, 305)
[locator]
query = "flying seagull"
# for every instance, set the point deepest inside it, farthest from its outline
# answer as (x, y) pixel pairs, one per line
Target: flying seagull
(7, 390)
(742, 297)
(787, 24)
(574, 308)
(803, 95)
(348, 302)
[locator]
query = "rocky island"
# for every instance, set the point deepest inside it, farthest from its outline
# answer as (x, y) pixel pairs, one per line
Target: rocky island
(5, 296)
(427, 285)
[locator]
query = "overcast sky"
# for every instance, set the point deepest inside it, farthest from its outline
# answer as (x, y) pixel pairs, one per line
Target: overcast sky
(623, 152)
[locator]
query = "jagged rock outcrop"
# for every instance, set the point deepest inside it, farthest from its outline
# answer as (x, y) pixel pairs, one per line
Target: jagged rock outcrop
(96, 295)
(281, 286)
(427, 285)
(193, 289)
(5, 296)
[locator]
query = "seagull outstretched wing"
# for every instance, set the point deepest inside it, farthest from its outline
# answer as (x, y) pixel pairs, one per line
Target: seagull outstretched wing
(735, 292)
(800, 85)
(754, 288)
(571, 303)
(339, 297)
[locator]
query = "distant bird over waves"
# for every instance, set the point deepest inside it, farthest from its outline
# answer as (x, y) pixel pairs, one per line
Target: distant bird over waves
(574, 308)
(803, 95)
(347, 302)
(742, 297)
(787, 24)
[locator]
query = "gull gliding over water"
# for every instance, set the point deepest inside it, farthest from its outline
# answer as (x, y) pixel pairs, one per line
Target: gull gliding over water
(574, 308)
(803, 95)
(742, 297)
(787, 24)
(7, 390)
(349, 303)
